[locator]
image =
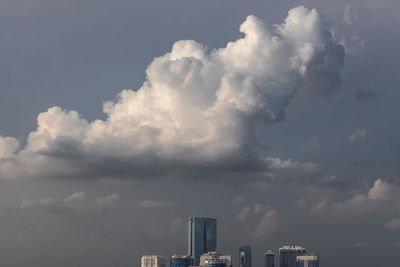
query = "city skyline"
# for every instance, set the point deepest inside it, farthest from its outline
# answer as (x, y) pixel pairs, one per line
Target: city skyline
(178, 260)
(120, 119)
(202, 234)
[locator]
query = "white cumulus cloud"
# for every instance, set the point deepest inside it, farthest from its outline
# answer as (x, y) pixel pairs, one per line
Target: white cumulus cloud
(289, 164)
(244, 214)
(108, 199)
(357, 135)
(8, 146)
(74, 196)
(349, 16)
(381, 197)
(197, 107)
(266, 217)
(267, 225)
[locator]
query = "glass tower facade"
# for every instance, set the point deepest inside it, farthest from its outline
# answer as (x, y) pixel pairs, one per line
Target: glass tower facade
(307, 261)
(288, 255)
(180, 261)
(245, 256)
(202, 237)
(269, 259)
(215, 263)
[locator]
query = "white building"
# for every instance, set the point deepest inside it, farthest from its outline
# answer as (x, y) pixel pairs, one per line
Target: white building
(214, 256)
(153, 261)
(307, 261)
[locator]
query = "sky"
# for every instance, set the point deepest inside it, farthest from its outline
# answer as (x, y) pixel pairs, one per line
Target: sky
(120, 119)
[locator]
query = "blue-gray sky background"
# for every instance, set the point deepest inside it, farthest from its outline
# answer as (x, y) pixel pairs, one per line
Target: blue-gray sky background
(332, 183)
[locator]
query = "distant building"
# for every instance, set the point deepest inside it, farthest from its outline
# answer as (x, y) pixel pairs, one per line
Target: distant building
(245, 256)
(269, 259)
(215, 263)
(202, 237)
(180, 261)
(153, 261)
(215, 258)
(288, 255)
(307, 261)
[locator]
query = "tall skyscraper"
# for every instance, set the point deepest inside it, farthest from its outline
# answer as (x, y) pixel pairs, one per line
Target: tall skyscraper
(190, 237)
(202, 237)
(288, 254)
(245, 256)
(307, 261)
(153, 261)
(180, 261)
(269, 259)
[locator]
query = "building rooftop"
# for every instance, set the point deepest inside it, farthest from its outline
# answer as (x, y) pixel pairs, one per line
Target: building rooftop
(307, 257)
(294, 248)
(180, 256)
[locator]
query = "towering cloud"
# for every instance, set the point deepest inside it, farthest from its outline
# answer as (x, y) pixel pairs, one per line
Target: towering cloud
(196, 107)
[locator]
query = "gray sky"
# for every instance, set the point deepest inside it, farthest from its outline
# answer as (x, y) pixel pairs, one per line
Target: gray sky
(287, 135)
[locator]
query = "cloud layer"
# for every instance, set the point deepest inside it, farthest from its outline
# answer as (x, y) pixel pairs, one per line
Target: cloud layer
(267, 219)
(196, 109)
(381, 197)
(357, 135)
(393, 224)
